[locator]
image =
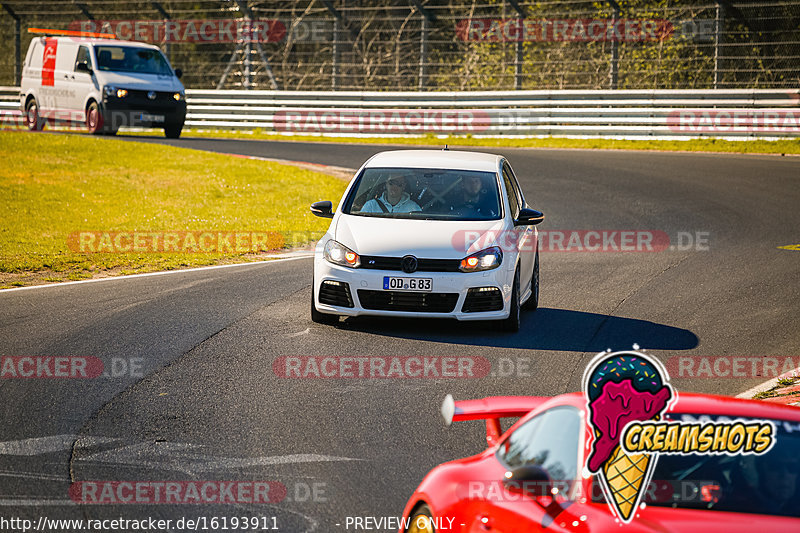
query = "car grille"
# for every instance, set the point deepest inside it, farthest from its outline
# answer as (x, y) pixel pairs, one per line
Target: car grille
(482, 299)
(335, 293)
(423, 265)
(425, 302)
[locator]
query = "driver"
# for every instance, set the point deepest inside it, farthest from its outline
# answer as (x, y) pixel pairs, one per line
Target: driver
(394, 199)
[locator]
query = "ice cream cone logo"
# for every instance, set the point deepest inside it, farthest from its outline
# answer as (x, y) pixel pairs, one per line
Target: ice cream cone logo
(620, 388)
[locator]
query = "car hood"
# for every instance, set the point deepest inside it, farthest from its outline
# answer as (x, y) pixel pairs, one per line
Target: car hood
(432, 239)
(147, 82)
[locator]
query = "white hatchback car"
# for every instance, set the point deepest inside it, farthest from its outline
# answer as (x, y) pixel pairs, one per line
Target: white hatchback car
(429, 234)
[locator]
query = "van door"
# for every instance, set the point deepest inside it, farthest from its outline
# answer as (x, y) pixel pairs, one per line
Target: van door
(81, 85)
(65, 78)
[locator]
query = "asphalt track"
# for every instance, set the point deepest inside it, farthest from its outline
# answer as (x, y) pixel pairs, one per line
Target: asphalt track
(206, 403)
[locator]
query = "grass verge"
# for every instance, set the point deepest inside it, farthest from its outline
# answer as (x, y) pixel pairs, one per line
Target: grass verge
(55, 186)
(782, 147)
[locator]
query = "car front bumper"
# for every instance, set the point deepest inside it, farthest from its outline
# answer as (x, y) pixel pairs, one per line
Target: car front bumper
(443, 283)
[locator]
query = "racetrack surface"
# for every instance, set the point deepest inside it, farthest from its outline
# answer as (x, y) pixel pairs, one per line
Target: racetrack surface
(207, 404)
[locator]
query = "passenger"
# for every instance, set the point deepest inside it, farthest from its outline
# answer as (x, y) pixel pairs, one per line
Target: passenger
(395, 199)
(474, 198)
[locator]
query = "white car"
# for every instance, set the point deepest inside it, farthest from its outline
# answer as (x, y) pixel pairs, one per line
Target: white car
(428, 234)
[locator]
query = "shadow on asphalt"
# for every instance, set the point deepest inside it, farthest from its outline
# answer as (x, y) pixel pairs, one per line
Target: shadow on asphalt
(543, 329)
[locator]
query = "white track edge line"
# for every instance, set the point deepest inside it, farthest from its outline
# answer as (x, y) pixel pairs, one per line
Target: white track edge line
(159, 273)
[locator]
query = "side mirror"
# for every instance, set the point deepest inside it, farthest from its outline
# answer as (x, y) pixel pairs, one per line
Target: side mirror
(529, 217)
(322, 209)
(83, 66)
(178, 73)
(529, 479)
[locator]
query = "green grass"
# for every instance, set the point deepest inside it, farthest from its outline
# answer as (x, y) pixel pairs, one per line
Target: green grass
(55, 185)
(790, 146)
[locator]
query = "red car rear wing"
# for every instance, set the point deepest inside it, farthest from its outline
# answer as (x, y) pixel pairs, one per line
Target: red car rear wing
(491, 409)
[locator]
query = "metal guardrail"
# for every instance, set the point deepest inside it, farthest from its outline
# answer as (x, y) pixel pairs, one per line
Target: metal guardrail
(630, 114)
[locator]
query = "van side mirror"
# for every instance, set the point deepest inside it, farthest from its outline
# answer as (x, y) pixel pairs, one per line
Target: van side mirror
(178, 73)
(83, 66)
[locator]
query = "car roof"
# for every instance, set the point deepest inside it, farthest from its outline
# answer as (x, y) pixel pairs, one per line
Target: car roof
(444, 159)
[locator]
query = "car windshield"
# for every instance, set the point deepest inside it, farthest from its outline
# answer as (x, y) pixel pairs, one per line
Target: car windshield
(132, 59)
(760, 484)
(429, 194)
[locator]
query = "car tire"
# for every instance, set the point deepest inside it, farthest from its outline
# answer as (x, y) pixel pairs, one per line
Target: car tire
(32, 118)
(173, 131)
(413, 525)
(321, 318)
(511, 324)
(533, 301)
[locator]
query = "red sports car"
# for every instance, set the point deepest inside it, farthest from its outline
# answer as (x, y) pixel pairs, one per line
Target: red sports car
(533, 478)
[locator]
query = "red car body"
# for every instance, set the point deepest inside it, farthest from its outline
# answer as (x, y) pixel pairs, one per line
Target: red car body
(454, 509)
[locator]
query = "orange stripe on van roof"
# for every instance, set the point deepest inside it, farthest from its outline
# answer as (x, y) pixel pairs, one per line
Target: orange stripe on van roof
(71, 33)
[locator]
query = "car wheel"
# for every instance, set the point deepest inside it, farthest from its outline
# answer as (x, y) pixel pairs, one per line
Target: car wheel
(418, 525)
(533, 302)
(32, 118)
(321, 318)
(94, 119)
(511, 324)
(173, 131)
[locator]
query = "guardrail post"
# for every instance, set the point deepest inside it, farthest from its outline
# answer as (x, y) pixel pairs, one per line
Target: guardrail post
(17, 48)
(613, 74)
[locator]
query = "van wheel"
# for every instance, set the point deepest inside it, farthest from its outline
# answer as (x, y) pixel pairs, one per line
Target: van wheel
(173, 131)
(32, 118)
(94, 119)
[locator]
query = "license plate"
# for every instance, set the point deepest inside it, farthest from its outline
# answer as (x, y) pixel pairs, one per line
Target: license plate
(407, 284)
(147, 117)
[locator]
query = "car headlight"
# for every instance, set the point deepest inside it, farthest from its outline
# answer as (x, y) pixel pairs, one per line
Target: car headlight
(122, 93)
(109, 90)
(339, 254)
(484, 260)
(179, 96)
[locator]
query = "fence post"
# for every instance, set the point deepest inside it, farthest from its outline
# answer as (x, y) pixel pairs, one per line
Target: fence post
(427, 17)
(613, 74)
(719, 21)
(520, 56)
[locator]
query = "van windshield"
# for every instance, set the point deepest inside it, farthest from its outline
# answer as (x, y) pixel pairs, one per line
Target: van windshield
(131, 59)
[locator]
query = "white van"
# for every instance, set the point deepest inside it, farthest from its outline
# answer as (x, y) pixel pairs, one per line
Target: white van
(104, 83)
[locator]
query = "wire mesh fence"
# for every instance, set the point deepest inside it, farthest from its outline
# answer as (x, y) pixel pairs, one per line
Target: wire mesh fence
(439, 44)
